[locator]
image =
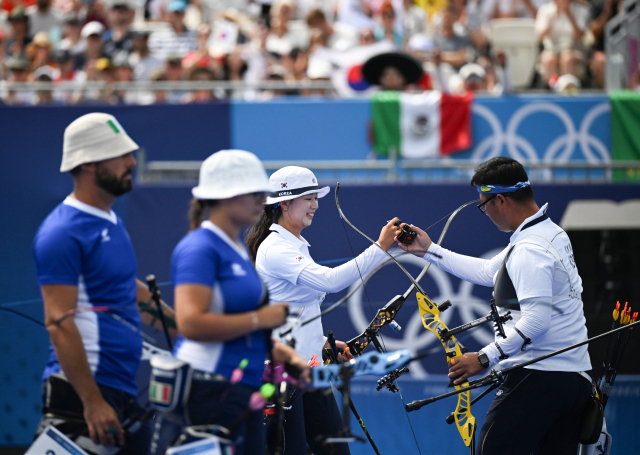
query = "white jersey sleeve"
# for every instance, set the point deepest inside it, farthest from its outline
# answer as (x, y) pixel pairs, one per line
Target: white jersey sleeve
(327, 279)
(475, 270)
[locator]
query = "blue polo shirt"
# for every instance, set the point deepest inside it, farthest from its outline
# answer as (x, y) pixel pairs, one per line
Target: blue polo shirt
(80, 245)
(209, 257)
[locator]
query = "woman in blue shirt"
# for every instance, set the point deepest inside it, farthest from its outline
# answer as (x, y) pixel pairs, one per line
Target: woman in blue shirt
(221, 303)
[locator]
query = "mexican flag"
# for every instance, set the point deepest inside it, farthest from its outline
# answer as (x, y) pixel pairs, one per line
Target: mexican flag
(424, 125)
(625, 141)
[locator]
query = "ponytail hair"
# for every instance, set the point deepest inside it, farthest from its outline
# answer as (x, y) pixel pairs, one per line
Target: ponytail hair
(260, 230)
(199, 210)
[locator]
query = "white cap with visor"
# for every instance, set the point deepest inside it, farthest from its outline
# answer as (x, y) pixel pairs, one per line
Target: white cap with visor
(292, 182)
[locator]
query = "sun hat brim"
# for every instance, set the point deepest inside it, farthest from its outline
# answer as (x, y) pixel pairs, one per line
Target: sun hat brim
(322, 192)
(211, 193)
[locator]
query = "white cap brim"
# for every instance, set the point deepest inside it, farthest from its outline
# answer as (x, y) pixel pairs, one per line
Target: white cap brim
(322, 192)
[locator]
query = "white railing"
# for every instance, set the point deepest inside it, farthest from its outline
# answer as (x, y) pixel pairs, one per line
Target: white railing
(405, 171)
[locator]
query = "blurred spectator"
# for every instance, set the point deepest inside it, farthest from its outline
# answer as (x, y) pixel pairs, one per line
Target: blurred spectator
(474, 78)
(200, 74)
(454, 49)
(119, 37)
(144, 63)
(39, 50)
(18, 65)
(392, 71)
(500, 9)
(200, 57)
(601, 12)
(92, 34)
(561, 25)
(567, 84)
(67, 72)
(175, 72)
(338, 36)
(176, 40)
(414, 18)
(93, 11)
(387, 28)
(366, 37)
(160, 96)
(470, 23)
(19, 36)
(45, 97)
(65, 63)
(282, 40)
(123, 72)
(318, 70)
(234, 66)
(44, 18)
(356, 13)
(71, 39)
(100, 70)
(2, 55)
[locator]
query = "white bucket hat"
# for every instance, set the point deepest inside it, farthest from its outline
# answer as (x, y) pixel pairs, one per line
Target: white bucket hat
(94, 137)
(291, 182)
(230, 173)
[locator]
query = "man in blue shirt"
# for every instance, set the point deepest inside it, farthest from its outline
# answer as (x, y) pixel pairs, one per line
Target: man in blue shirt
(86, 269)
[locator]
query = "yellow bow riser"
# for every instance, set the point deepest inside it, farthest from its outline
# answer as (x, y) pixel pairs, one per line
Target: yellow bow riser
(465, 421)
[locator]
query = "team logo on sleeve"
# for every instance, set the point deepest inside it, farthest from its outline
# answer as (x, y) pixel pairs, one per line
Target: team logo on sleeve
(300, 258)
(238, 270)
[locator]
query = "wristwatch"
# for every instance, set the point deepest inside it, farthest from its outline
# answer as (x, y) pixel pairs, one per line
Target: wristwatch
(483, 359)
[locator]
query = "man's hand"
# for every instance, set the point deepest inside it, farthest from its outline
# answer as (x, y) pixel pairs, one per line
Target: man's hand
(104, 427)
(421, 243)
(464, 367)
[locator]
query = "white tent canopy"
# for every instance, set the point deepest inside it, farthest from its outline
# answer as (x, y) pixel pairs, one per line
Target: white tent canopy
(600, 214)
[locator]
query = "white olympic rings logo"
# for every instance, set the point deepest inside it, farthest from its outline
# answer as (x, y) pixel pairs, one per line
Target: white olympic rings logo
(414, 336)
(561, 148)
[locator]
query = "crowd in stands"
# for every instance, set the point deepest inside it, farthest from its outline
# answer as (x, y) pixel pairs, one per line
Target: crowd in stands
(283, 40)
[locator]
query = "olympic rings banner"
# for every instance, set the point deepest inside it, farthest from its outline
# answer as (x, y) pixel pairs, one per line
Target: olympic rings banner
(526, 127)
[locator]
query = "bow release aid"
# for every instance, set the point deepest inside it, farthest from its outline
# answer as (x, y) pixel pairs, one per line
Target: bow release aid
(407, 235)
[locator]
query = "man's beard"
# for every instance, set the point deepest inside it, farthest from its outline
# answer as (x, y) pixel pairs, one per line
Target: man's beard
(115, 186)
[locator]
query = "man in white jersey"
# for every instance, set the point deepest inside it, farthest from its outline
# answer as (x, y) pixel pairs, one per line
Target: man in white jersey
(538, 409)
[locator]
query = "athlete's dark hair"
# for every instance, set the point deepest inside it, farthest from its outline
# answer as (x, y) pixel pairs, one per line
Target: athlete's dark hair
(506, 171)
(198, 210)
(260, 230)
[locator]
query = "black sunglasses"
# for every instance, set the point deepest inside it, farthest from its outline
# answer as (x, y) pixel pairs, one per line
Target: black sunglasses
(482, 207)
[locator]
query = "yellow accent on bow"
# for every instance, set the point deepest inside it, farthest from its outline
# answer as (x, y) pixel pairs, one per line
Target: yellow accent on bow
(430, 314)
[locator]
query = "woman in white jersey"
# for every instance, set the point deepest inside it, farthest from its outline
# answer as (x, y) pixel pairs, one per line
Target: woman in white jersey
(283, 262)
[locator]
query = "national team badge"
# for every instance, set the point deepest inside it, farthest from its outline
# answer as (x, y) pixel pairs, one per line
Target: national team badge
(283, 185)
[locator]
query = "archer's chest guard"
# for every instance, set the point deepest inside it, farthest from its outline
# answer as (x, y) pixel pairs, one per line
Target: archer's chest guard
(504, 293)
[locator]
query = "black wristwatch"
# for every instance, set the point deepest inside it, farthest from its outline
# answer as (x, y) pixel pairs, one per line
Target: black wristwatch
(483, 359)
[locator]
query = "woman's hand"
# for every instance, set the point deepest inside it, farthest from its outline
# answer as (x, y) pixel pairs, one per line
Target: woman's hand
(344, 353)
(421, 243)
(272, 316)
(387, 235)
(286, 354)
